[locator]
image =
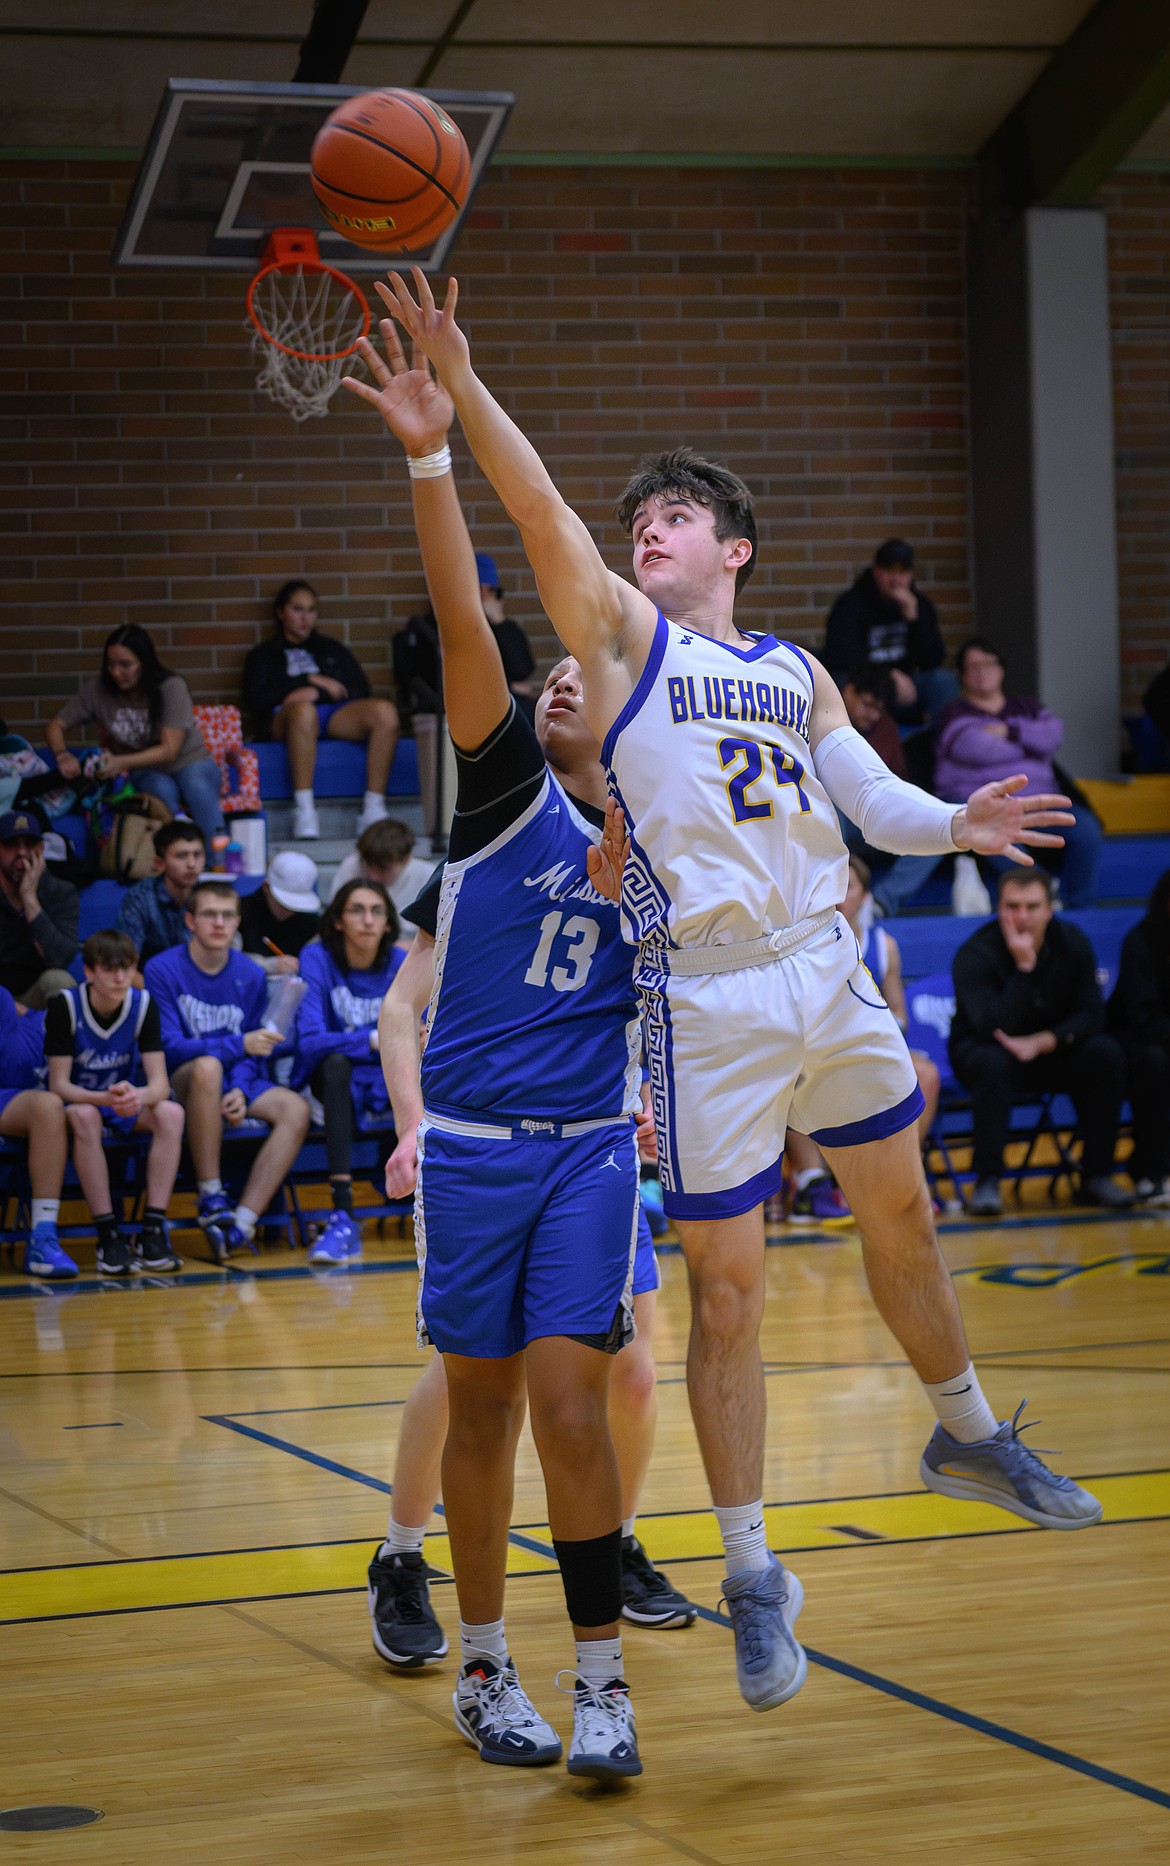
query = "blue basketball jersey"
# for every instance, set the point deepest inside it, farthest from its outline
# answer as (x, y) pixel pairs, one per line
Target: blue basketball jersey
(533, 1012)
(103, 1057)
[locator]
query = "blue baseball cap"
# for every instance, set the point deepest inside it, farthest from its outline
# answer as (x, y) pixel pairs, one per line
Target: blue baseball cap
(15, 824)
(489, 576)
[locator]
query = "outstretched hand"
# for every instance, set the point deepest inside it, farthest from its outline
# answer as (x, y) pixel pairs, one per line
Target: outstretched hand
(434, 331)
(997, 820)
(607, 860)
(416, 409)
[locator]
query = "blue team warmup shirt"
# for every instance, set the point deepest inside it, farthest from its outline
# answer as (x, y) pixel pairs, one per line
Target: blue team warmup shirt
(337, 1014)
(207, 1014)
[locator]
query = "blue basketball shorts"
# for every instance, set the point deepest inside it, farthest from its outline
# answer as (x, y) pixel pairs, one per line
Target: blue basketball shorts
(524, 1232)
(646, 1275)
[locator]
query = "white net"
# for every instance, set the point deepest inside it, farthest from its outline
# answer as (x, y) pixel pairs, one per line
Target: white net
(312, 311)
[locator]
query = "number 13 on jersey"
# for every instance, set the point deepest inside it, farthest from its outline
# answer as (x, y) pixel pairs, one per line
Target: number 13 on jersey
(576, 944)
(750, 760)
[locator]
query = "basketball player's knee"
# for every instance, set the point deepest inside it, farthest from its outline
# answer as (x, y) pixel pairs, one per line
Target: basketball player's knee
(633, 1381)
(48, 1112)
(85, 1120)
(206, 1077)
(169, 1119)
(569, 1423)
(291, 1113)
(383, 716)
(727, 1301)
(479, 1422)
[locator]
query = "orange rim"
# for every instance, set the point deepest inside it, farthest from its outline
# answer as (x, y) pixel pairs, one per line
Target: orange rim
(314, 266)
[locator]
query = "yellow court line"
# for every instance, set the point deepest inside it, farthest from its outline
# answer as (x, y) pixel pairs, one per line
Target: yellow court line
(258, 1574)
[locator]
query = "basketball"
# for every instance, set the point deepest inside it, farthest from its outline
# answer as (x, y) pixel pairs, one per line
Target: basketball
(391, 170)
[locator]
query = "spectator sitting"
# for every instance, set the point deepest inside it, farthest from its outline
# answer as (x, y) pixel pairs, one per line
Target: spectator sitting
(1139, 1017)
(385, 854)
(1028, 1019)
(283, 914)
(348, 973)
(885, 618)
(868, 693)
(211, 1010)
(983, 737)
(37, 1117)
(148, 730)
(299, 684)
(106, 1062)
(512, 642)
(38, 915)
(153, 914)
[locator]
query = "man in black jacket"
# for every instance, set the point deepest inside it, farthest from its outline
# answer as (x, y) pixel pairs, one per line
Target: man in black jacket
(885, 619)
(38, 915)
(299, 684)
(1029, 1018)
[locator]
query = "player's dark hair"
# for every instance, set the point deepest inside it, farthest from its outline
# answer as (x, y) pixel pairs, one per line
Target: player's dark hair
(975, 644)
(875, 680)
(224, 889)
(333, 933)
(684, 474)
(286, 592)
(385, 841)
(1027, 878)
(1158, 926)
(135, 639)
(177, 831)
(110, 949)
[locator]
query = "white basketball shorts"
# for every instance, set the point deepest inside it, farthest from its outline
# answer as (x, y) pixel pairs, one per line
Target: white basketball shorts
(738, 1057)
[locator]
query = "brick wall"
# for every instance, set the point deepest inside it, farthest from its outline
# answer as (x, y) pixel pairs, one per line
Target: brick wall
(1138, 207)
(805, 325)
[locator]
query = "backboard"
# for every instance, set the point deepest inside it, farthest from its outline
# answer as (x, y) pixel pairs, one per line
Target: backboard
(227, 163)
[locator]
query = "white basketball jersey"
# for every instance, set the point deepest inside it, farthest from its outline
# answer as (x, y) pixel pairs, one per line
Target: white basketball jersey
(732, 834)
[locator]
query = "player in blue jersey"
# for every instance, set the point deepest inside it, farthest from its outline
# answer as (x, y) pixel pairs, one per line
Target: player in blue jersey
(211, 1002)
(348, 971)
(35, 1116)
(730, 753)
(106, 1062)
(526, 1199)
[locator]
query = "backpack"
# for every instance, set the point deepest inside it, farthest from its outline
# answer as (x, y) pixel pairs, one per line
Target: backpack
(126, 851)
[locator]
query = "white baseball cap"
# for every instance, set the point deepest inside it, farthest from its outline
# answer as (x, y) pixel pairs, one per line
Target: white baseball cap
(292, 880)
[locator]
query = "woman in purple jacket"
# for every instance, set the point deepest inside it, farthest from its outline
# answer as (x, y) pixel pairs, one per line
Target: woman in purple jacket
(987, 735)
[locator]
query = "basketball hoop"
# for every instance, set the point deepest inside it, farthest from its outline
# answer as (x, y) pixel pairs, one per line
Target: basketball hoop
(307, 319)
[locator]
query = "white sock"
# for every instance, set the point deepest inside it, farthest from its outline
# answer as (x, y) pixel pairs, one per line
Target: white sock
(372, 799)
(246, 1219)
(401, 1539)
(483, 1642)
(599, 1661)
(745, 1539)
(628, 1524)
(303, 799)
(207, 1186)
(44, 1211)
(961, 1407)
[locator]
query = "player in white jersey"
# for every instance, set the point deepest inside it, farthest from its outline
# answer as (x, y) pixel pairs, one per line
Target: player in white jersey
(729, 752)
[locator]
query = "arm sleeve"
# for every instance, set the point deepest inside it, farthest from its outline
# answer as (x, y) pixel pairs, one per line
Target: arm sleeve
(1086, 1015)
(497, 782)
(58, 1027)
(889, 813)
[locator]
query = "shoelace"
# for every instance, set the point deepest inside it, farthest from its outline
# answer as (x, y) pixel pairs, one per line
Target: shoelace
(408, 1592)
(604, 1715)
(752, 1615)
(504, 1700)
(1028, 1458)
(639, 1562)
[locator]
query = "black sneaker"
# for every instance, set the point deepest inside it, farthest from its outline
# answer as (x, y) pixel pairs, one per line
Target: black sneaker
(404, 1628)
(154, 1249)
(116, 1258)
(647, 1596)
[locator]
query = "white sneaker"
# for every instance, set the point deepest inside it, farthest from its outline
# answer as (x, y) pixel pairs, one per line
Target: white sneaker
(372, 812)
(605, 1738)
(498, 1717)
(305, 825)
(969, 896)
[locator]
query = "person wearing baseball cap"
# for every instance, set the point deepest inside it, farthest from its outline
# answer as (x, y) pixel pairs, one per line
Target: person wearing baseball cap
(885, 620)
(283, 914)
(512, 642)
(38, 915)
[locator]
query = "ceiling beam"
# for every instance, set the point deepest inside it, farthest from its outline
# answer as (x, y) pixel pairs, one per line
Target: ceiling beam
(1096, 96)
(329, 41)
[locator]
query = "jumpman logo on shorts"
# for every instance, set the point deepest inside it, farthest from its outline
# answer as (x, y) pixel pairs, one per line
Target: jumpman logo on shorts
(610, 1162)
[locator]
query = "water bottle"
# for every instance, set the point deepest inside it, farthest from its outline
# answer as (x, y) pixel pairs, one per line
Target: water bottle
(284, 998)
(233, 858)
(219, 849)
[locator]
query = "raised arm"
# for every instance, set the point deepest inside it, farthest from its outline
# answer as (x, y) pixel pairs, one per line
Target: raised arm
(599, 617)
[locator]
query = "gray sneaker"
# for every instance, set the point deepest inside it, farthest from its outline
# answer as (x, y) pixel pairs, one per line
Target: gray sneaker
(1003, 1471)
(769, 1661)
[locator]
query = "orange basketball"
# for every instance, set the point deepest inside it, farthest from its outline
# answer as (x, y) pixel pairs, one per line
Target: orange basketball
(391, 170)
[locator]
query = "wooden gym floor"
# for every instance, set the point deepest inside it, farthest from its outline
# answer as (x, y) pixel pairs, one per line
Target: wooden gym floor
(193, 1476)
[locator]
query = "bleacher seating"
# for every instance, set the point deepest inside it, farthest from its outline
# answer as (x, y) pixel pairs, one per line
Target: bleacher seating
(1129, 867)
(340, 770)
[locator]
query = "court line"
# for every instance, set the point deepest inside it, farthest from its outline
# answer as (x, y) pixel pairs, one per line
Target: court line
(982, 1726)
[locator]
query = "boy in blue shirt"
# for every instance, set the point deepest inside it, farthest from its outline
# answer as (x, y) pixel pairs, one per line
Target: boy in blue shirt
(37, 1117)
(211, 1003)
(106, 1062)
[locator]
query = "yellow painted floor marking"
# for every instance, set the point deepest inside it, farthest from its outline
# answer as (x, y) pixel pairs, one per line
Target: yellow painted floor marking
(118, 1586)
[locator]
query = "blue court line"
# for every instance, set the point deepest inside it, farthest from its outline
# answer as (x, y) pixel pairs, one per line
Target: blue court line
(100, 1425)
(982, 1726)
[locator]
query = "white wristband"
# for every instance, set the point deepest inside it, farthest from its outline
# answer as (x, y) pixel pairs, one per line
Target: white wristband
(429, 466)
